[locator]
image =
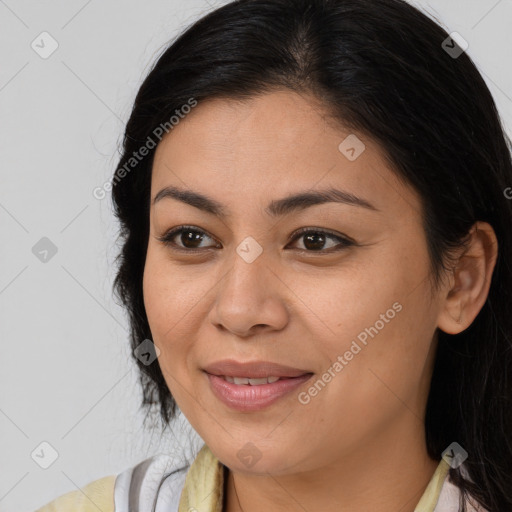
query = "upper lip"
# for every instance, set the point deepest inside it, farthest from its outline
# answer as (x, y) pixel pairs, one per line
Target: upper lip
(253, 369)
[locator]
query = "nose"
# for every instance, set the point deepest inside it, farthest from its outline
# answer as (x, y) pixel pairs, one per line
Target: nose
(251, 298)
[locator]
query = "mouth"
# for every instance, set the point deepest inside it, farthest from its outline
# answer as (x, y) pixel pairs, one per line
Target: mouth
(250, 387)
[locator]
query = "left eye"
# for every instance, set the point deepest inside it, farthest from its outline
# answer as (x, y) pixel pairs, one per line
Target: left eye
(314, 239)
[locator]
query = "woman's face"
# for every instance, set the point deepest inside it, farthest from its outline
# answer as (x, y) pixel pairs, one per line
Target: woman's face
(357, 316)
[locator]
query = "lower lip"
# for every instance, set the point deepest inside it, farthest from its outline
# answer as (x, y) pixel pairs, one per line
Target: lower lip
(245, 397)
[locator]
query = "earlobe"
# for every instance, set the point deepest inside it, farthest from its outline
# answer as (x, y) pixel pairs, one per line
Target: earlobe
(470, 281)
(451, 318)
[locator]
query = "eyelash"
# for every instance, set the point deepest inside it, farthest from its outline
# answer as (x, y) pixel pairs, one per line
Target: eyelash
(166, 239)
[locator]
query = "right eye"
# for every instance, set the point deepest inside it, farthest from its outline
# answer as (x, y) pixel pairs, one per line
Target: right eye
(190, 237)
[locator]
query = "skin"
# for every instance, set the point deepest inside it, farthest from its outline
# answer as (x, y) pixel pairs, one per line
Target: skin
(359, 444)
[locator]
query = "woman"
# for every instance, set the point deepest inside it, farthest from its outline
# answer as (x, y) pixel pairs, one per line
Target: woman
(314, 198)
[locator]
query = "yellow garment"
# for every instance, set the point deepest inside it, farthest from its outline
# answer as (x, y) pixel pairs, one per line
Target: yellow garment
(203, 490)
(96, 495)
(204, 484)
(429, 499)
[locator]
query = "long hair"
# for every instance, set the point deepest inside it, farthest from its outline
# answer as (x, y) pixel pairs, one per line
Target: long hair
(387, 70)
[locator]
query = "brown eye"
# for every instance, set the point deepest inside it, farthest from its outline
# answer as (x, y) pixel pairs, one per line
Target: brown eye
(190, 238)
(316, 239)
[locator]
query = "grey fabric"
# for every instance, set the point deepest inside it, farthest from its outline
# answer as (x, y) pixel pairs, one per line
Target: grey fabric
(153, 485)
(169, 494)
(138, 474)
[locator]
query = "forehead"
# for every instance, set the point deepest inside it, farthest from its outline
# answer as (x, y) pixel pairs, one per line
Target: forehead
(278, 120)
(273, 144)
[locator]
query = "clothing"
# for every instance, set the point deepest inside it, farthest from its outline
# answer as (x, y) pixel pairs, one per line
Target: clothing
(162, 484)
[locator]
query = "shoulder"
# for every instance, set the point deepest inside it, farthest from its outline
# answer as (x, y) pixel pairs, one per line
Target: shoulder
(153, 484)
(96, 495)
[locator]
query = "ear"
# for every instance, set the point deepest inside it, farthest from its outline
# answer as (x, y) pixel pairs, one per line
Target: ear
(470, 280)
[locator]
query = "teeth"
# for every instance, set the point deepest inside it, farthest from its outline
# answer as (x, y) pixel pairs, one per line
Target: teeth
(252, 382)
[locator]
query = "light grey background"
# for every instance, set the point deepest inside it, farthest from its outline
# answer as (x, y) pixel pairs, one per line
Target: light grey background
(66, 376)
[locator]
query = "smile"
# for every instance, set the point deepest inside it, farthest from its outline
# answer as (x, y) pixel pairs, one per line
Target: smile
(249, 395)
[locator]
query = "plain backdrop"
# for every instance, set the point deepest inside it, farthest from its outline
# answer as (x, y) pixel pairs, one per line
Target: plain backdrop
(66, 375)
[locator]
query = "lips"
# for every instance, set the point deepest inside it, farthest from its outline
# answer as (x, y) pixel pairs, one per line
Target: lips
(249, 398)
(253, 370)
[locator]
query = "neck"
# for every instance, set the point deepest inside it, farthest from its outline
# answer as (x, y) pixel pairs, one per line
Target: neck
(386, 474)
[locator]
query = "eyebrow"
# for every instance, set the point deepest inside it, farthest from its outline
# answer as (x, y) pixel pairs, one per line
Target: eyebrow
(276, 208)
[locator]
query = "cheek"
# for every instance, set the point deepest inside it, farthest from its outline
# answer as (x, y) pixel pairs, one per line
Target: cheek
(167, 295)
(162, 303)
(156, 299)
(378, 321)
(173, 300)
(164, 311)
(342, 306)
